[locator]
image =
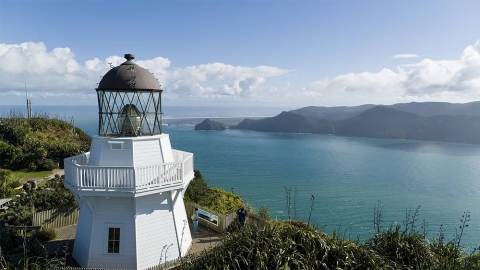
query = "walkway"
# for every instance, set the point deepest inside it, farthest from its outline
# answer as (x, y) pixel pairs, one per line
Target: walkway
(204, 239)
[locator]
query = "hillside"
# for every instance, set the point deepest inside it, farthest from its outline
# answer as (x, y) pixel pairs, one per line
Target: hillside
(287, 122)
(439, 108)
(377, 122)
(208, 124)
(39, 143)
(332, 113)
(380, 122)
(420, 108)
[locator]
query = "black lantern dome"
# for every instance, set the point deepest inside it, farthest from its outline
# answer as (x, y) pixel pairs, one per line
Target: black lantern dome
(129, 102)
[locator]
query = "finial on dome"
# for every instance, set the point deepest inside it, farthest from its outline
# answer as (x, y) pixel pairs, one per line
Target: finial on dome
(129, 56)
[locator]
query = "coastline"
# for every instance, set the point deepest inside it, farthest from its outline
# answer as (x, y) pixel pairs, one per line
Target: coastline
(227, 121)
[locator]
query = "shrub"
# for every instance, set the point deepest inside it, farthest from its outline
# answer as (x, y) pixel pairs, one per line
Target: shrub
(49, 165)
(197, 189)
(45, 234)
(56, 196)
(284, 245)
(8, 183)
(264, 213)
(222, 201)
(215, 199)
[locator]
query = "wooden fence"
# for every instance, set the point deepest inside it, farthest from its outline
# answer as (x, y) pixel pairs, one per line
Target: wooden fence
(168, 265)
(224, 220)
(55, 218)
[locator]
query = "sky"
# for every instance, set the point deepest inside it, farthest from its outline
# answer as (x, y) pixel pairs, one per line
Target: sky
(245, 53)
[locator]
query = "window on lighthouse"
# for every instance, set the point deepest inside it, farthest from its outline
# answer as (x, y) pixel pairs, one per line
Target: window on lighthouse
(114, 240)
(116, 145)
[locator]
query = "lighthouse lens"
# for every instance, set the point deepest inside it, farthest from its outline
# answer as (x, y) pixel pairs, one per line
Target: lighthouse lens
(129, 121)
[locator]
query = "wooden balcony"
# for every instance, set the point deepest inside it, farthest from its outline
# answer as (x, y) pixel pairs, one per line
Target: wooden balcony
(82, 178)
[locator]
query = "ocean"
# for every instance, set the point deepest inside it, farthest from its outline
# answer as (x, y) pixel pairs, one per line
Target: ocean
(348, 177)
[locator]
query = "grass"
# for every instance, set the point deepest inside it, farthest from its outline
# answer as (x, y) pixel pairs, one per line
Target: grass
(25, 174)
(297, 245)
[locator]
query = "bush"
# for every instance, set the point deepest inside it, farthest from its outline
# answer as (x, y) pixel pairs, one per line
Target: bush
(284, 245)
(197, 189)
(49, 165)
(222, 201)
(215, 199)
(56, 196)
(8, 183)
(263, 213)
(45, 234)
(24, 252)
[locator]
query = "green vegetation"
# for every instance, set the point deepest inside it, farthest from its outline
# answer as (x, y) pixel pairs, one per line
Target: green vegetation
(53, 196)
(263, 213)
(38, 143)
(298, 245)
(23, 252)
(215, 199)
(25, 174)
(20, 251)
(8, 183)
(45, 234)
(208, 124)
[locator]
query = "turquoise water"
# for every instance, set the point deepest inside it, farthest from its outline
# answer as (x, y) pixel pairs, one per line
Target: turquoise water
(347, 176)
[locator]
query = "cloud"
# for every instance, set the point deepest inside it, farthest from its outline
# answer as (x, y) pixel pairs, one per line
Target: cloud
(231, 80)
(405, 55)
(443, 80)
(57, 73)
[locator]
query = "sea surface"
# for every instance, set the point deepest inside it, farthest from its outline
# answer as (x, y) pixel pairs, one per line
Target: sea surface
(347, 177)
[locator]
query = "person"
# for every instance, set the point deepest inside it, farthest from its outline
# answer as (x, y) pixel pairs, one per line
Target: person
(195, 221)
(242, 215)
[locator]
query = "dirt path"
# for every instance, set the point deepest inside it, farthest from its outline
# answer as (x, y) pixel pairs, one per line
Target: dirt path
(56, 171)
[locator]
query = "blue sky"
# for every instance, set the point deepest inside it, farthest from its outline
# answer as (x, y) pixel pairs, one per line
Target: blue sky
(315, 52)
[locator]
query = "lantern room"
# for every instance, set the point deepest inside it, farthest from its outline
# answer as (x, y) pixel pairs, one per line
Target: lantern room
(129, 102)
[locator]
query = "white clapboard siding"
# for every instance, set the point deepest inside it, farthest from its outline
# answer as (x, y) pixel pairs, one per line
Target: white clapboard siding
(83, 234)
(156, 236)
(113, 211)
(147, 152)
(181, 222)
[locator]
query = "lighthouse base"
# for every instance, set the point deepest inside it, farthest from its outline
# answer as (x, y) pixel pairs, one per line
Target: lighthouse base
(131, 232)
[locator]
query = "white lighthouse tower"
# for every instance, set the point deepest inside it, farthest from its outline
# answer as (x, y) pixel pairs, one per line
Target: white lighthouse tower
(130, 185)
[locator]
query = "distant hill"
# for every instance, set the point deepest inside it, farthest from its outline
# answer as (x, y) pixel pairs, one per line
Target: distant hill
(208, 124)
(420, 108)
(332, 113)
(377, 122)
(288, 122)
(439, 108)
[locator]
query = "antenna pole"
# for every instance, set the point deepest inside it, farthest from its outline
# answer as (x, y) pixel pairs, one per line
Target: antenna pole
(29, 103)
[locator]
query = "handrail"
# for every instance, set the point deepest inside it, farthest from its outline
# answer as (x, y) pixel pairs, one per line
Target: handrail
(127, 178)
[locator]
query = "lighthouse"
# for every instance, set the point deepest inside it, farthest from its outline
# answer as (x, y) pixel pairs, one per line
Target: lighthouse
(130, 185)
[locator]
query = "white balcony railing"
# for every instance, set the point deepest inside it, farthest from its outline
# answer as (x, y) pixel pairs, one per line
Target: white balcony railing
(81, 176)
